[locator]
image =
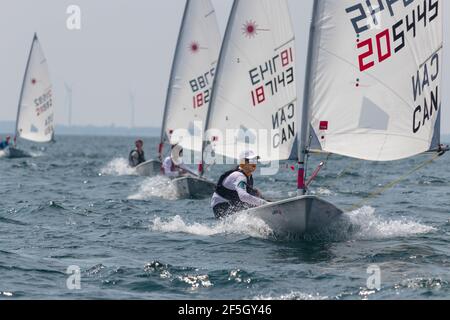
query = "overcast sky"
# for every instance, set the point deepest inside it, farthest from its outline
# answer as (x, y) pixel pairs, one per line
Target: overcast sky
(123, 46)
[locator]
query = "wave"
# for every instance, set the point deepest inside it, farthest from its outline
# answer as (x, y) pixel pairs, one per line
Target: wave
(361, 224)
(368, 225)
(365, 224)
(323, 192)
(186, 277)
(156, 187)
(422, 283)
(6, 294)
(12, 221)
(240, 224)
(36, 154)
(118, 167)
(294, 295)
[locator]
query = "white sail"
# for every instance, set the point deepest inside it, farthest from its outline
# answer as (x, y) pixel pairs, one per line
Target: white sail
(193, 71)
(375, 83)
(254, 102)
(36, 112)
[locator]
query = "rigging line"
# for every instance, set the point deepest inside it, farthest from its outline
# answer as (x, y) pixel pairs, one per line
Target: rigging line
(343, 172)
(394, 183)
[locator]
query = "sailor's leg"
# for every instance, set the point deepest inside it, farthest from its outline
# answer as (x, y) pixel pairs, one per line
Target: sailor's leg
(222, 210)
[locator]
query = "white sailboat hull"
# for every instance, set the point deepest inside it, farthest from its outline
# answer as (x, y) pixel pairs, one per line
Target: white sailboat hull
(194, 188)
(150, 168)
(297, 216)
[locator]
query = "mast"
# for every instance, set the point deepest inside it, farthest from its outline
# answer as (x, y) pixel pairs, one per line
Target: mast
(225, 44)
(17, 133)
(305, 123)
(133, 109)
(172, 74)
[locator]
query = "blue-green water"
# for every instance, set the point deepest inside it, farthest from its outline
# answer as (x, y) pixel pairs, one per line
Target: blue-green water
(76, 204)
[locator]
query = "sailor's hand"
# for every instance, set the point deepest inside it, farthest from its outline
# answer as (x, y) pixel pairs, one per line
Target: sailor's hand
(258, 193)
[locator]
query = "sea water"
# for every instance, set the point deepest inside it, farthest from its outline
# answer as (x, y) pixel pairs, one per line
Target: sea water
(75, 205)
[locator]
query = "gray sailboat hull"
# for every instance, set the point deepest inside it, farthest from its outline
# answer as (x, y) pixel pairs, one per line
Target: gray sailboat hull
(194, 188)
(150, 168)
(13, 153)
(297, 216)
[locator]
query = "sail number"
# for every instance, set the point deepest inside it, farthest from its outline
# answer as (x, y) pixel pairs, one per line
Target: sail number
(271, 76)
(201, 87)
(389, 41)
(201, 99)
(43, 103)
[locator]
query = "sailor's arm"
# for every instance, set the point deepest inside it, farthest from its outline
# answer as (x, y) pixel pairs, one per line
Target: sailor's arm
(244, 196)
(133, 159)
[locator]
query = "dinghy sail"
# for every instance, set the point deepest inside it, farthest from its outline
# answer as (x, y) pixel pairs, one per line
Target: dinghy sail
(35, 114)
(374, 84)
(191, 79)
(192, 76)
(254, 102)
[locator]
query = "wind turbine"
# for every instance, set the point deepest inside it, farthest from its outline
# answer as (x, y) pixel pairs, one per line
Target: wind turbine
(133, 109)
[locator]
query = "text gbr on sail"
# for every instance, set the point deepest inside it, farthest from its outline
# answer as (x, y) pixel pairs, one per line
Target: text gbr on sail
(201, 88)
(43, 103)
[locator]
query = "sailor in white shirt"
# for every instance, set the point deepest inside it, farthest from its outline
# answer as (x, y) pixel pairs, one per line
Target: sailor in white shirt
(173, 166)
(235, 191)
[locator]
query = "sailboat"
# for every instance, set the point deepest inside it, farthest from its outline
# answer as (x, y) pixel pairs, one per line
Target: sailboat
(189, 92)
(370, 93)
(35, 113)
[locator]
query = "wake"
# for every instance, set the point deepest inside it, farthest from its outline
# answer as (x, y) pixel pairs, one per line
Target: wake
(238, 224)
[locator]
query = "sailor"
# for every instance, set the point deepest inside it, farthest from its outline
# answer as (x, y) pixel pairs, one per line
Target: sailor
(5, 144)
(235, 191)
(137, 156)
(173, 166)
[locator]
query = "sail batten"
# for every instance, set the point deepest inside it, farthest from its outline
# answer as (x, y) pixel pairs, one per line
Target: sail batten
(35, 114)
(192, 74)
(375, 87)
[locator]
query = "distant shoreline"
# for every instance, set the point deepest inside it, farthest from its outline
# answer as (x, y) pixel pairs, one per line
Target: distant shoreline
(7, 127)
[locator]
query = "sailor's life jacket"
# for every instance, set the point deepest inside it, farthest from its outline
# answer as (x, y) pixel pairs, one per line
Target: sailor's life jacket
(3, 145)
(133, 161)
(231, 195)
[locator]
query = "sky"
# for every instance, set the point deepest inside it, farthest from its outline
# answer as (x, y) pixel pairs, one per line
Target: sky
(123, 47)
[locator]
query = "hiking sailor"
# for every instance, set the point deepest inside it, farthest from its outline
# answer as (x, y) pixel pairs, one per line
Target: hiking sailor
(235, 191)
(137, 156)
(5, 144)
(173, 166)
